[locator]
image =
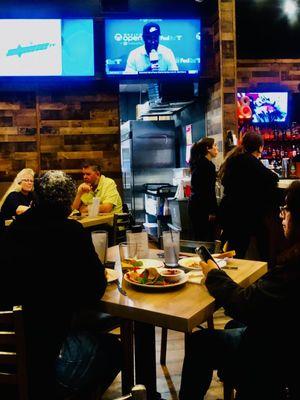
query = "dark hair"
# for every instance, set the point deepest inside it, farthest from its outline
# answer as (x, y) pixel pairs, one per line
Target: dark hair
(55, 193)
(200, 149)
(292, 200)
(236, 151)
(252, 141)
(91, 164)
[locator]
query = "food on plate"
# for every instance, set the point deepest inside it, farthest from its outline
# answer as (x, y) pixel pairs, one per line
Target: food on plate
(194, 264)
(147, 276)
(172, 274)
(130, 263)
(227, 254)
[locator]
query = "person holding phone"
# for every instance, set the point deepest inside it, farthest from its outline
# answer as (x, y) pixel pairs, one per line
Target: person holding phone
(258, 356)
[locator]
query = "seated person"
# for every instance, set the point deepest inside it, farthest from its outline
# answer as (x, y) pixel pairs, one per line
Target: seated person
(97, 185)
(151, 56)
(51, 268)
(19, 196)
(258, 355)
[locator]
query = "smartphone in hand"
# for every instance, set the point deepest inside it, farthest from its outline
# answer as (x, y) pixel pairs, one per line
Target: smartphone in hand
(205, 255)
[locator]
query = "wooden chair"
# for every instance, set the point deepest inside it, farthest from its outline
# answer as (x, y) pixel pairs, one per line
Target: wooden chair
(121, 223)
(12, 351)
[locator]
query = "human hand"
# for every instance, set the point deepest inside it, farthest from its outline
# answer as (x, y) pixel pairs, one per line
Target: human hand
(84, 188)
(206, 267)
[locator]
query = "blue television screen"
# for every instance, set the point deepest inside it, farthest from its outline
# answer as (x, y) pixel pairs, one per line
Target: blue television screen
(266, 107)
(46, 47)
(148, 47)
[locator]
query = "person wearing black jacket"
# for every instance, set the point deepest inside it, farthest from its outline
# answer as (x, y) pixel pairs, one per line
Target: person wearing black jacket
(261, 355)
(203, 202)
(50, 267)
(250, 195)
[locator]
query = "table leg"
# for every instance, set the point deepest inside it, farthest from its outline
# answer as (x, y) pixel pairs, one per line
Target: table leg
(145, 361)
(127, 356)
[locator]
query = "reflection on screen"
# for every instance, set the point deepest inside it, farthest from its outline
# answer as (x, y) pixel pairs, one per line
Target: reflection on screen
(46, 47)
(130, 52)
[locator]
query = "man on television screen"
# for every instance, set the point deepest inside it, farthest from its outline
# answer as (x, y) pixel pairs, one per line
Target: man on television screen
(151, 56)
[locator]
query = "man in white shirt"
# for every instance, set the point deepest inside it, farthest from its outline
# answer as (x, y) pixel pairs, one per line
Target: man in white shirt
(151, 56)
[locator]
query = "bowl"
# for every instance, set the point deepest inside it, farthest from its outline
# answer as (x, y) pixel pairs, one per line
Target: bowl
(171, 274)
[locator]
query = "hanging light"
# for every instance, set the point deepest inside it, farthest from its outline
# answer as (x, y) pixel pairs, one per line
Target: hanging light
(291, 9)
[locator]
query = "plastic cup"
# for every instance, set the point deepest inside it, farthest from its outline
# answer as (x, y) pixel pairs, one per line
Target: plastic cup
(171, 242)
(100, 240)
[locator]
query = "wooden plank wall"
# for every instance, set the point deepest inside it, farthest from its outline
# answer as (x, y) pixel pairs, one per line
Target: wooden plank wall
(259, 73)
(58, 130)
(221, 110)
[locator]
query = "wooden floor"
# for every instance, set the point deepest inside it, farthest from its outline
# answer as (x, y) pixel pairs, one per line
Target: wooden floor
(168, 378)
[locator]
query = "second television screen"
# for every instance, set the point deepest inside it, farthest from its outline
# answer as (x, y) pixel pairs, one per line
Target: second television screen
(143, 47)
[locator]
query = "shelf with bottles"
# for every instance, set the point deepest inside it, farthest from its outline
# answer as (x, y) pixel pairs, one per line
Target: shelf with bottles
(280, 150)
(276, 132)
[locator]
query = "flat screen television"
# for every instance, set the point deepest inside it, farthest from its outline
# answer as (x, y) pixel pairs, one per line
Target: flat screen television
(46, 47)
(152, 47)
(266, 107)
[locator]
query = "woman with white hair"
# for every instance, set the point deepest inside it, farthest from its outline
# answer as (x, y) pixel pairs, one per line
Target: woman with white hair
(19, 196)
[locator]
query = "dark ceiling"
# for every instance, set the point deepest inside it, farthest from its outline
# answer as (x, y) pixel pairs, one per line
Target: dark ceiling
(262, 30)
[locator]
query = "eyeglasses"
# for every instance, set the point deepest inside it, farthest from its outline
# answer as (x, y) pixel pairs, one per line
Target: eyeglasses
(27, 180)
(283, 211)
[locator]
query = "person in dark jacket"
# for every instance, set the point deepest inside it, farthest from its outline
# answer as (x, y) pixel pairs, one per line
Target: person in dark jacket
(203, 202)
(19, 196)
(50, 267)
(250, 195)
(261, 355)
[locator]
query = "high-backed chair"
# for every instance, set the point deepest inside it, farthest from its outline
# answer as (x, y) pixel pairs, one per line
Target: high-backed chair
(12, 351)
(122, 222)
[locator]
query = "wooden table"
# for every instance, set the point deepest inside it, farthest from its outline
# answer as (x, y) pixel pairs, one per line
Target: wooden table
(87, 222)
(181, 309)
(104, 218)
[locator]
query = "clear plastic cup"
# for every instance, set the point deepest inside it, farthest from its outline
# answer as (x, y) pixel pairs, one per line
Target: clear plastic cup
(171, 243)
(128, 251)
(100, 241)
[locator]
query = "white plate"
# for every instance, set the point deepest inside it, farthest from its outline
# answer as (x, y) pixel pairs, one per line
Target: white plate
(171, 285)
(185, 262)
(111, 275)
(151, 262)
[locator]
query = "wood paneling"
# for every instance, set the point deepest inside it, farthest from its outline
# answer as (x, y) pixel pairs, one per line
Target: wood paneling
(58, 131)
(253, 74)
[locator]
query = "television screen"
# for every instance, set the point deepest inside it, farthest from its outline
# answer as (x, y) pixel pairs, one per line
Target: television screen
(147, 47)
(265, 107)
(46, 47)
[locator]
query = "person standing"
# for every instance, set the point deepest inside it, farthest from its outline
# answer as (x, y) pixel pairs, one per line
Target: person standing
(203, 201)
(250, 196)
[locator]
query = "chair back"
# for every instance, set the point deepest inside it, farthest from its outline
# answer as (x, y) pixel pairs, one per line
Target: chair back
(12, 351)
(122, 222)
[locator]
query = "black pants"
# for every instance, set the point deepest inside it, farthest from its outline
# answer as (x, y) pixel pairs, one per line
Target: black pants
(203, 229)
